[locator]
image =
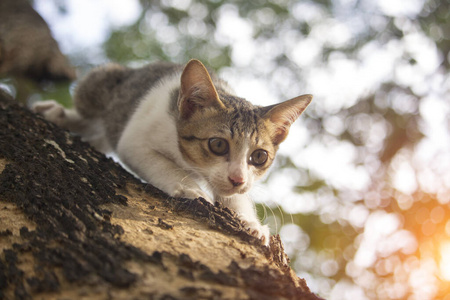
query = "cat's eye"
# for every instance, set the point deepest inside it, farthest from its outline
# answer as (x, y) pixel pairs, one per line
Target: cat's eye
(218, 146)
(259, 157)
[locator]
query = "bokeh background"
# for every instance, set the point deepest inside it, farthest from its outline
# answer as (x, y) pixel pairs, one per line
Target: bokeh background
(361, 189)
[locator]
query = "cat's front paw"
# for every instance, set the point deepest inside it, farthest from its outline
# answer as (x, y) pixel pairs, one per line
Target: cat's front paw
(191, 193)
(51, 110)
(257, 230)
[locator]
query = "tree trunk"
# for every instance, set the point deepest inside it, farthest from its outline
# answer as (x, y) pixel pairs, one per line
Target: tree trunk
(75, 225)
(27, 48)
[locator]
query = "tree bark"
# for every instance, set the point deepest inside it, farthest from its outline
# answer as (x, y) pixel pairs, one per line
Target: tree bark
(27, 47)
(75, 225)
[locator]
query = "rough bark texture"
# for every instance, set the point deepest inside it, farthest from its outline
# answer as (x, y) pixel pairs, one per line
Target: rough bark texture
(75, 225)
(27, 47)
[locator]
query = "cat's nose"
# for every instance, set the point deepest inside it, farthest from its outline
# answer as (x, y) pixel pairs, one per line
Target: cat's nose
(236, 181)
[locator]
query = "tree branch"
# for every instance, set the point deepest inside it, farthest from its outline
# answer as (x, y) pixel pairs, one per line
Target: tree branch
(74, 224)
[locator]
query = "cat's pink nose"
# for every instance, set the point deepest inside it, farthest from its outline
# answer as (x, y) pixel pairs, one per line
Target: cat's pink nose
(236, 181)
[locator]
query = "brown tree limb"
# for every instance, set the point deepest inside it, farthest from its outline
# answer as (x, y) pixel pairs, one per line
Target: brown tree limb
(27, 48)
(75, 225)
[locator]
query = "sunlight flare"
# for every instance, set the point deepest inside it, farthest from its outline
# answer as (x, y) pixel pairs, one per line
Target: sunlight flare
(444, 264)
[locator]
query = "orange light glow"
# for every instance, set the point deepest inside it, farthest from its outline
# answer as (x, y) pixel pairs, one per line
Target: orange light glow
(444, 264)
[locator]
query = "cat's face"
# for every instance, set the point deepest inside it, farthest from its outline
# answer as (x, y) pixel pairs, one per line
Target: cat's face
(230, 148)
(226, 139)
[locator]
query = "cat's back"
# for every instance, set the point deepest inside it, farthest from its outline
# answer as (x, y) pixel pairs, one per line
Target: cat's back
(115, 87)
(111, 94)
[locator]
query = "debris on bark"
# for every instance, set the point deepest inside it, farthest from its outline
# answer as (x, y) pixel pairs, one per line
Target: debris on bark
(75, 225)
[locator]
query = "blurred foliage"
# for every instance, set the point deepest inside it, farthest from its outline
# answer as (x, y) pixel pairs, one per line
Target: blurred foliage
(384, 125)
(140, 42)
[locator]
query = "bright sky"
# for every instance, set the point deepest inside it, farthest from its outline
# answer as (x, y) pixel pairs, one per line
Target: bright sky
(87, 22)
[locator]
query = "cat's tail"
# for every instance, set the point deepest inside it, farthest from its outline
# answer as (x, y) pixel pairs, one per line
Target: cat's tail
(93, 93)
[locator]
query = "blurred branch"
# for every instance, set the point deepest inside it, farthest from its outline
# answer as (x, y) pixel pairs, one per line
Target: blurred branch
(27, 48)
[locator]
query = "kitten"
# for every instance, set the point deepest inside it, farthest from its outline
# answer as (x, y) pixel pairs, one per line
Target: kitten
(180, 128)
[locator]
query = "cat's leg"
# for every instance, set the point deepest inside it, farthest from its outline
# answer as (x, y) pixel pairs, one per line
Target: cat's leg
(52, 111)
(244, 208)
(91, 130)
(172, 179)
(187, 191)
(162, 172)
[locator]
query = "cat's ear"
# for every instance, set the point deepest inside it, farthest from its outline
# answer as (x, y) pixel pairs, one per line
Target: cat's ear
(197, 90)
(281, 116)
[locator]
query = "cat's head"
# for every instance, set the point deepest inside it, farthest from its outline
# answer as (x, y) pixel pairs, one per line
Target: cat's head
(226, 139)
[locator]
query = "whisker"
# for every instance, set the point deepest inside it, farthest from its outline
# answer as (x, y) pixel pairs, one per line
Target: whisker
(274, 217)
(266, 204)
(281, 214)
